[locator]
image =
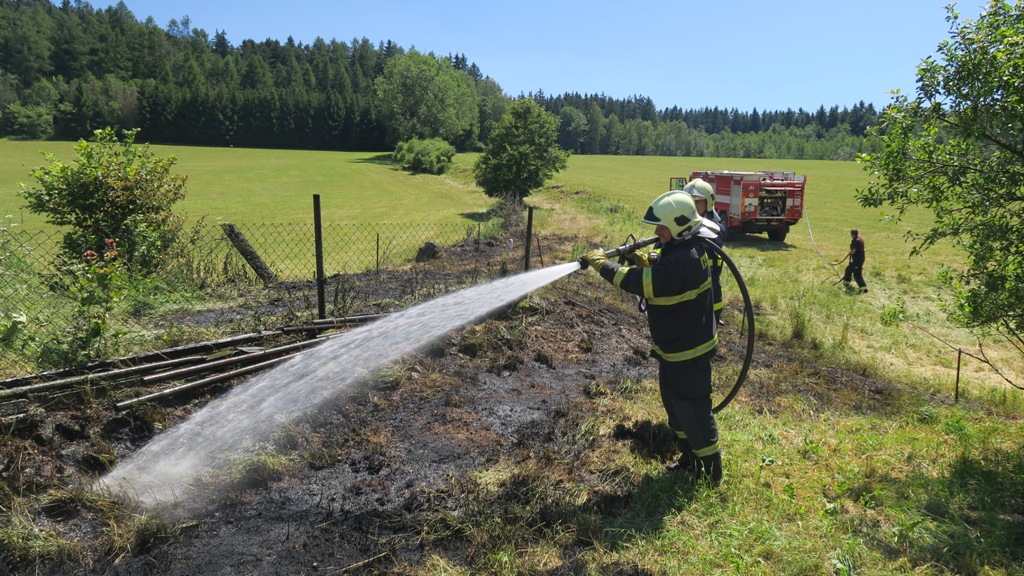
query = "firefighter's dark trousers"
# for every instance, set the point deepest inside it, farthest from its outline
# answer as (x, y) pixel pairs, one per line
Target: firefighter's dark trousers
(686, 395)
(855, 271)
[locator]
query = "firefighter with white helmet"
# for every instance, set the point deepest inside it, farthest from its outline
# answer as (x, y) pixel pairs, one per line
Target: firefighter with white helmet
(700, 189)
(704, 198)
(681, 319)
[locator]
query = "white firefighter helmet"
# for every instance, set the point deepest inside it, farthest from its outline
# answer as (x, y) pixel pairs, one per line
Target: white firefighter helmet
(675, 210)
(700, 189)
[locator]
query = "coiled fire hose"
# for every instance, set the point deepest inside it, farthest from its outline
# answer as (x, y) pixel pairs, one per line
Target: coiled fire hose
(747, 325)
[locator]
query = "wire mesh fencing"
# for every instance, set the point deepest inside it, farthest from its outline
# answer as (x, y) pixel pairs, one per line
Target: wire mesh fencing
(347, 248)
(55, 312)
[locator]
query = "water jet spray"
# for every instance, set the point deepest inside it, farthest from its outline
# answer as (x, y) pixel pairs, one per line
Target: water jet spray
(181, 466)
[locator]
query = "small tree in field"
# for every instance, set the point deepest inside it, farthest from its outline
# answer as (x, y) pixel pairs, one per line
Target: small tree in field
(521, 154)
(112, 191)
(957, 148)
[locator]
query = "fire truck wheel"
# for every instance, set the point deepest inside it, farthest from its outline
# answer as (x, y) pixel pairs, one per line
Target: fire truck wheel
(777, 235)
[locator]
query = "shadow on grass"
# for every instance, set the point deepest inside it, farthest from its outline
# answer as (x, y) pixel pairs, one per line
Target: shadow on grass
(616, 516)
(641, 512)
(478, 217)
(539, 499)
(969, 520)
(385, 159)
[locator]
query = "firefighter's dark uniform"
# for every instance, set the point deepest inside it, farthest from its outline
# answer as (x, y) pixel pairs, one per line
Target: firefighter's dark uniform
(855, 268)
(680, 315)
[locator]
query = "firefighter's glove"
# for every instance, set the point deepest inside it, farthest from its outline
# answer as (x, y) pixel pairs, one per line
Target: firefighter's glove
(593, 259)
(639, 259)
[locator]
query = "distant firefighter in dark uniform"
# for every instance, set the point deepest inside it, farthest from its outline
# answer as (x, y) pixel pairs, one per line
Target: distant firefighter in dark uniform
(855, 269)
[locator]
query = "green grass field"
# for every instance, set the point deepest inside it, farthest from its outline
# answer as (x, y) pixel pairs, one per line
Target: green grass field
(227, 184)
(252, 185)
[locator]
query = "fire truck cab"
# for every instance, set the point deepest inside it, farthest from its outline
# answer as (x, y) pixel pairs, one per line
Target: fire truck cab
(748, 202)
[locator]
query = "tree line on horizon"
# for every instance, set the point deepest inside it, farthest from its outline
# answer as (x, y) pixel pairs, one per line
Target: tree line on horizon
(69, 69)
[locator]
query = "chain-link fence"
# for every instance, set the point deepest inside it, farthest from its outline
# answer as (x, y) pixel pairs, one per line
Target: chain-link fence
(224, 278)
(288, 251)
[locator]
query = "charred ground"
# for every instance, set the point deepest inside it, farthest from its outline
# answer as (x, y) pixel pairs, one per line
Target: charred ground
(383, 482)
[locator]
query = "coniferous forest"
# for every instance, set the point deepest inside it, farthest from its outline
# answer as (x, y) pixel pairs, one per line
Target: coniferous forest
(67, 69)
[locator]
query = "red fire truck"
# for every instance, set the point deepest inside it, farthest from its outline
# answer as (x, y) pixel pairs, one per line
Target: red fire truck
(767, 201)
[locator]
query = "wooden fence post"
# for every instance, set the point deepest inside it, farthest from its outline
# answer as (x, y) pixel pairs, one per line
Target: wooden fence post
(529, 237)
(248, 253)
(318, 240)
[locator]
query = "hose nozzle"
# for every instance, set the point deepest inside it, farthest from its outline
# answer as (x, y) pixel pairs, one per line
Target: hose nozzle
(624, 249)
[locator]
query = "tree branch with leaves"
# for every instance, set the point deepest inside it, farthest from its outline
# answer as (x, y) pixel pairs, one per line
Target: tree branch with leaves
(955, 148)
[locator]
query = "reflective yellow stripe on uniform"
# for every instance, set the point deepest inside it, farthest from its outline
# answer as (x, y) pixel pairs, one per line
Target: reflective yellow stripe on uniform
(707, 451)
(688, 354)
(669, 300)
(620, 273)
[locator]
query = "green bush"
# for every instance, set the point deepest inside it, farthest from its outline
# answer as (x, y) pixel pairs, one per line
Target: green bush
(432, 156)
(114, 191)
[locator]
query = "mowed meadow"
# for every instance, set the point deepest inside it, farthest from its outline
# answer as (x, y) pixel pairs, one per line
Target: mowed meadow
(258, 185)
(814, 485)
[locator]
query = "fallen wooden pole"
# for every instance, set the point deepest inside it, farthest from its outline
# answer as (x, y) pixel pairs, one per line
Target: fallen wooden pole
(204, 382)
(142, 359)
(23, 391)
(330, 324)
(233, 360)
(248, 253)
(350, 319)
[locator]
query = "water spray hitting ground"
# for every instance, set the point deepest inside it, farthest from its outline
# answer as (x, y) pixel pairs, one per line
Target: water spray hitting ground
(165, 470)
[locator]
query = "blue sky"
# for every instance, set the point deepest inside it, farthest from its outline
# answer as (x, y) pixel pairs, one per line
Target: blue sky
(742, 54)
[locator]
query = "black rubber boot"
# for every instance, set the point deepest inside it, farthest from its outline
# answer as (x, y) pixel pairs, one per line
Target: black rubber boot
(686, 461)
(709, 469)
